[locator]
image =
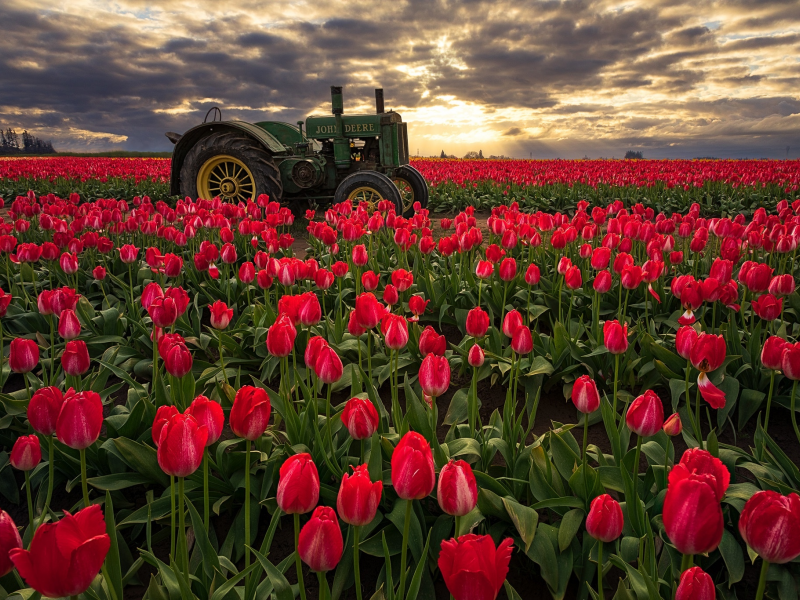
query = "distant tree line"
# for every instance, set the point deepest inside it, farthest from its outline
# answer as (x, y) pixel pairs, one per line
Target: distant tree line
(10, 143)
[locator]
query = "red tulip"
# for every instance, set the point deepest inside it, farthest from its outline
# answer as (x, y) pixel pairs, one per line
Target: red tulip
(65, 557)
(9, 541)
(758, 278)
(80, 420)
(395, 331)
(605, 520)
(358, 497)
(645, 415)
(434, 375)
(360, 256)
(708, 352)
(477, 322)
(790, 363)
(75, 358)
(782, 285)
(209, 414)
(369, 280)
(673, 425)
(368, 310)
(309, 311)
(494, 253)
(250, 412)
(163, 311)
(772, 353)
(413, 474)
(23, 355)
(176, 356)
(68, 263)
(457, 490)
(43, 409)
(360, 418)
(584, 395)
(484, 269)
(180, 445)
(281, 336)
(600, 258)
(164, 413)
(99, 273)
(695, 584)
(247, 272)
(563, 264)
(532, 275)
(508, 269)
(615, 337)
(431, 342)
(602, 282)
(298, 485)
(150, 293)
(572, 278)
(128, 253)
(339, 269)
(522, 341)
(770, 525)
(768, 307)
(69, 327)
(315, 344)
(328, 365)
(26, 453)
(390, 295)
(221, 315)
(511, 322)
(320, 544)
(472, 568)
(685, 340)
(631, 277)
(692, 514)
(476, 356)
(701, 462)
(417, 305)
(402, 279)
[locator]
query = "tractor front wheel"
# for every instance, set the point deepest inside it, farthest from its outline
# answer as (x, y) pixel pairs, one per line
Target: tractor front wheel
(370, 187)
(230, 166)
(413, 188)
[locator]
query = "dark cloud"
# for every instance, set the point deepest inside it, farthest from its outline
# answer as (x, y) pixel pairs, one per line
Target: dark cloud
(548, 77)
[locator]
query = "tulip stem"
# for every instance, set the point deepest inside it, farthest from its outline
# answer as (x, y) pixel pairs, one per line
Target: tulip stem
(503, 308)
(636, 458)
(686, 562)
(666, 462)
(585, 458)
(600, 569)
(688, 402)
(31, 524)
(616, 381)
(699, 431)
(762, 580)
(791, 407)
(206, 501)
(298, 564)
(404, 552)
(769, 399)
(324, 591)
(84, 486)
(221, 359)
(52, 349)
(50, 475)
(184, 550)
(172, 516)
(356, 568)
(247, 444)
(457, 526)
(473, 402)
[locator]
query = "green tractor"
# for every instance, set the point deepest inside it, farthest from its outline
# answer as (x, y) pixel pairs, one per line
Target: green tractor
(336, 158)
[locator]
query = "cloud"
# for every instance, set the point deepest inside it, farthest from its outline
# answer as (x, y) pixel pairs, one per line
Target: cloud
(551, 78)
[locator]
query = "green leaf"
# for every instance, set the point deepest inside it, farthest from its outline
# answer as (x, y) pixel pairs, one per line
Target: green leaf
(119, 481)
(222, 591)
(544, 554)
(142, 459)
(112, 566)
(525, 519)
(209, 556)
(749, 403)
(413, 588)
(569, 527)
(733, 556)
(510, 591)
(282, 588)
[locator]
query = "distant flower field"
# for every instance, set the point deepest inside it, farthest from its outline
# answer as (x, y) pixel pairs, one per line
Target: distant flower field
(720, 186)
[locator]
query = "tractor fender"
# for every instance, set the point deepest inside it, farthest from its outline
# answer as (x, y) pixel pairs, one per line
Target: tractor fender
(195, 134)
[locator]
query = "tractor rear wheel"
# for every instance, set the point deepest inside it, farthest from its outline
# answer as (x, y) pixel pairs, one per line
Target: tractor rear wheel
(232, 166)
(413, 188)
(370, 187)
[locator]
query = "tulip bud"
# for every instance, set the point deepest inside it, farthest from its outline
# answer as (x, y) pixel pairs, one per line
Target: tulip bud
(26, 453)
(522, 340)
(615, 337)
(457, 490)
(605, 520)
(9, 541)
(395, 331)
(361, 418)
(458, 559)
(358, 497)
(695, 584)
(368, 310)
(80, 420)
(209, 414)
(298, 485)
(43, 409)
(390, 295)
(572, 278)
(431, 342)
(772, 353)
(23, 355)
(250, 412)
(645, 415)
(75, 358)
(320, 544)
(477, 322)
(673, 425)
(770, 525)
(434, 375)
(508, 269)
(281, 336)
(511, 322)
(476, 356)
(176, 356)
(413, 474)
(69, 327)
(328, 365)
(685, 340)
(181, 444)
(584, 395)
(790, 362)
(309, 311)
(602, 282)
(221, 315)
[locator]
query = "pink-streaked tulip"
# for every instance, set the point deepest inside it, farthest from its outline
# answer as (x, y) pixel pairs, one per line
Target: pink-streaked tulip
(533, 275)
(23, 355)
(128, 253)
(476, 356)
(673, 425)
(508, 269)
(572, 278)
(221, 315)
(772, 352)
(413, 474)
(163, 311)
(457, 490)
(9, 541)
(484, 269)
(431, 342)
(692, 515)
(767, 307)
(390, 295)
(434, 375)
(250, 412)
(328, 365)
(176, 356)
(645, 415)
(790, 362)
(685, 340)
(522, 340)
(43, 409)
(395, 331)
(770, 525)
(281, 336)
(585, 396)
(181, 443)
(368, 311)
(472, 568)
(164, 413)
(615, 337)
(358, 497)
(511, 322)
(69, 327)
(605, 520)
(695, 584)
(209, 414)
(782, 285)
(320, 544)
(80, 420)
(602, 282)
(309, 311)
(75, 358)
(26, 453)
(361, 418)
(298, 485)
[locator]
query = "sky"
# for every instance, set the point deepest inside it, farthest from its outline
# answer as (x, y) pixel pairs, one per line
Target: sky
(546, 79)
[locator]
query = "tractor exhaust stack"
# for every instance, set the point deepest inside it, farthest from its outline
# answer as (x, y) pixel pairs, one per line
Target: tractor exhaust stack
(379, 101)
(341, 146)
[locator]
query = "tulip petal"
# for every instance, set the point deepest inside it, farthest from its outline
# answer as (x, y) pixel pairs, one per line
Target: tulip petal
(687, 318)
(653, 293)
(85, 563)
(711, 393)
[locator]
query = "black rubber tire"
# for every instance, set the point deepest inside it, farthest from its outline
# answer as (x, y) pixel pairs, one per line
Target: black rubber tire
(265, 172)
(378, 181)
(417, 183)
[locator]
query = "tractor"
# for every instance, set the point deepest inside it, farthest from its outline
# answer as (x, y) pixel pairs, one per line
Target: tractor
(360, 158)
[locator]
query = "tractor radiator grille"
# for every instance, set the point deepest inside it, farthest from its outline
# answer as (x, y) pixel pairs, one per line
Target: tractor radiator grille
(402, 143)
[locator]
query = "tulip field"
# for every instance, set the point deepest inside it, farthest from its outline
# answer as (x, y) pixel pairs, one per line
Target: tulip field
(591, 398)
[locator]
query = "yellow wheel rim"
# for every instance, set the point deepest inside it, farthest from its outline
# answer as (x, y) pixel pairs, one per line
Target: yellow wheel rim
(406, 193)
(366, 194)
(227, 177)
